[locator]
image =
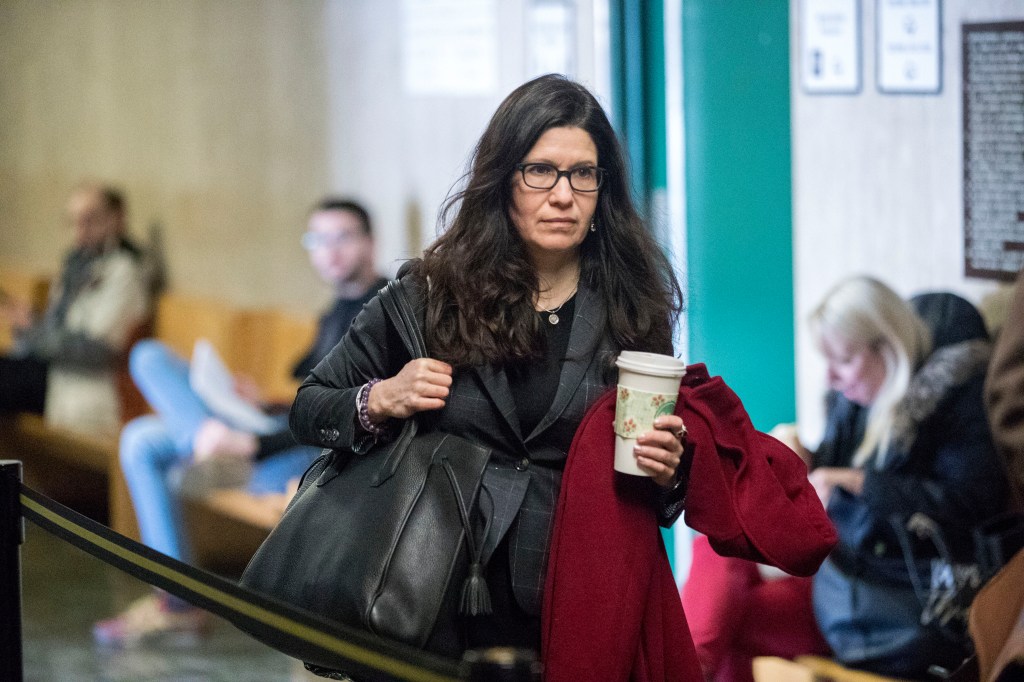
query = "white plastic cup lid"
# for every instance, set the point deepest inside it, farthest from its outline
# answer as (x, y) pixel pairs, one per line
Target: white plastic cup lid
(654, 364)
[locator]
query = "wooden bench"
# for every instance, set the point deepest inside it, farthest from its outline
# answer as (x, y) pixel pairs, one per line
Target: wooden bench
(84, 471)
(21, 286)
(810, 669)
(73, 468)
(227, 525)
(261, 343)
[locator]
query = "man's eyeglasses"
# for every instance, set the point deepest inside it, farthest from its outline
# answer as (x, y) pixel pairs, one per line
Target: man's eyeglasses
(546, 176)
(311, 241)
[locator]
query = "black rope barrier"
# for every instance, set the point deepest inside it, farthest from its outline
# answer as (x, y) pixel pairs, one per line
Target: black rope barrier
(315, 640)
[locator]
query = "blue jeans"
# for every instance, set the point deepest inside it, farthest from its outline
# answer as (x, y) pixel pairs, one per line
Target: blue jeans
(156, 449)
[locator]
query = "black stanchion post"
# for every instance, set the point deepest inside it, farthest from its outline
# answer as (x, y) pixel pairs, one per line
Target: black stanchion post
(12, 534)
(502, 664)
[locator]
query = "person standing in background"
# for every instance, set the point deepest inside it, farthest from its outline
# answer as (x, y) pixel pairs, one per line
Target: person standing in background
(64, 363)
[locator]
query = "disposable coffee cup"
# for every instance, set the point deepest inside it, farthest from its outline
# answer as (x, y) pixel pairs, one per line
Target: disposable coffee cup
(648, 388)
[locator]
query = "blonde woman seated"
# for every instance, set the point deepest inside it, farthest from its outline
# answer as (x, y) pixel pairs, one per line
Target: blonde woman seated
(906, 432)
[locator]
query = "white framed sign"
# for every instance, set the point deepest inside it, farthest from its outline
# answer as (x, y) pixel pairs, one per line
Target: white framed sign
(830, 59)
(909, 46)
(450, 47)
(551, 37)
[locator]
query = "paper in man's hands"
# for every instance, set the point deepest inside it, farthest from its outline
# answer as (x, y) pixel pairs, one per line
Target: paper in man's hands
(213, 382)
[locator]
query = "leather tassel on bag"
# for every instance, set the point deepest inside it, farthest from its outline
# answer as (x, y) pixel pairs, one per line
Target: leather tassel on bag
(476, 596)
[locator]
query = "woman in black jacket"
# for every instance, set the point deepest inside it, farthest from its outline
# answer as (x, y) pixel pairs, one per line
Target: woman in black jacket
(906, 434)
(544, 273)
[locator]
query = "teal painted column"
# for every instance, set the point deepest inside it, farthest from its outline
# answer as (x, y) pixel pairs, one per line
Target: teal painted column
(739, 206)
(638, 82)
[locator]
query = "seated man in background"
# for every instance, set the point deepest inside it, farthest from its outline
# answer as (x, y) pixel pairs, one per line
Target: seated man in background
(63, 364)
(156, 448)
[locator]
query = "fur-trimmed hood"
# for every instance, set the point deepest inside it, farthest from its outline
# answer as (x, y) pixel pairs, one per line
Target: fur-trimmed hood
(962, 352)
(946, 370)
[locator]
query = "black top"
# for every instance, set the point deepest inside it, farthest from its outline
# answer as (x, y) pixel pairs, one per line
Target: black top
(523, 478)
(534, 384)
(332, 326)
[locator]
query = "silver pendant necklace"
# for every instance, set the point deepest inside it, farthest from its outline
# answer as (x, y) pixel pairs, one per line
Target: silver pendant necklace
(553, 312)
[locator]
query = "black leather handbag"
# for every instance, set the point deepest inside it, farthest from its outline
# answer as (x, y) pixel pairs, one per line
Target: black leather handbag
(950, 591)
(385, 541)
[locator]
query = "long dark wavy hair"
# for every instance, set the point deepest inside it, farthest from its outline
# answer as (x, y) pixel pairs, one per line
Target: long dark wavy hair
(483, 286)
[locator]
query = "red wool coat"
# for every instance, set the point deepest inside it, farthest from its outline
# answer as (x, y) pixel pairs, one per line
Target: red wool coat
(611, 608)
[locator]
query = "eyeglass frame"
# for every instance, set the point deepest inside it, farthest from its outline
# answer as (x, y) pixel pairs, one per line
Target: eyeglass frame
(559, 174)
(313, 241)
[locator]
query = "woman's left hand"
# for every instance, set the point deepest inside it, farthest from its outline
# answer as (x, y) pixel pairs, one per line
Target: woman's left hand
(659, 451)
(826, 479)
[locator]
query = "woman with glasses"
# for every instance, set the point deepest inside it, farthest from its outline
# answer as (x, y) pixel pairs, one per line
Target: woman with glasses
(544, 273)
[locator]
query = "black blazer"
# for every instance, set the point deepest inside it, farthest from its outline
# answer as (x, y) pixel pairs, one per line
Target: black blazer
(522, 482)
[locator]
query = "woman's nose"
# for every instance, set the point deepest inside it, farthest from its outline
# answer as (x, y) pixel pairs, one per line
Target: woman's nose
(562, 191)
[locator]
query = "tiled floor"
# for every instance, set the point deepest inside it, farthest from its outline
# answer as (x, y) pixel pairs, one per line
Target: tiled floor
(65, 590)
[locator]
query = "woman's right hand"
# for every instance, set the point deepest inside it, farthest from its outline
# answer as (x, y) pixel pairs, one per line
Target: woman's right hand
(422, 384)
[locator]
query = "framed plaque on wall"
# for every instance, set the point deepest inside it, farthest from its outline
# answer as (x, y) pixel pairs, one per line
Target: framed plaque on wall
(993, 137)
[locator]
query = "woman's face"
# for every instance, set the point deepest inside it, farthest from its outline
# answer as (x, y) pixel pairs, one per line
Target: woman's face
(855, 370)
(555, 221)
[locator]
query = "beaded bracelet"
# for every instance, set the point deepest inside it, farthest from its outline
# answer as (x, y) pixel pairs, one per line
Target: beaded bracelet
(363, 405)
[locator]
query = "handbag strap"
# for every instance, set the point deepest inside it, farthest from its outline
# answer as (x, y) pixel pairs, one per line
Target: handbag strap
(943, 606)
(400, 313)
(474, 596)
(399, 310)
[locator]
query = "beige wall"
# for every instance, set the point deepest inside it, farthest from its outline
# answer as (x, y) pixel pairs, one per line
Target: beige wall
(224, 120)
(877, 185)
(211, 116)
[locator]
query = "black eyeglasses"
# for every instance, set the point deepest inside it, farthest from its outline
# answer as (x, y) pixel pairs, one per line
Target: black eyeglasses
(311, 241)
(546, 176)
